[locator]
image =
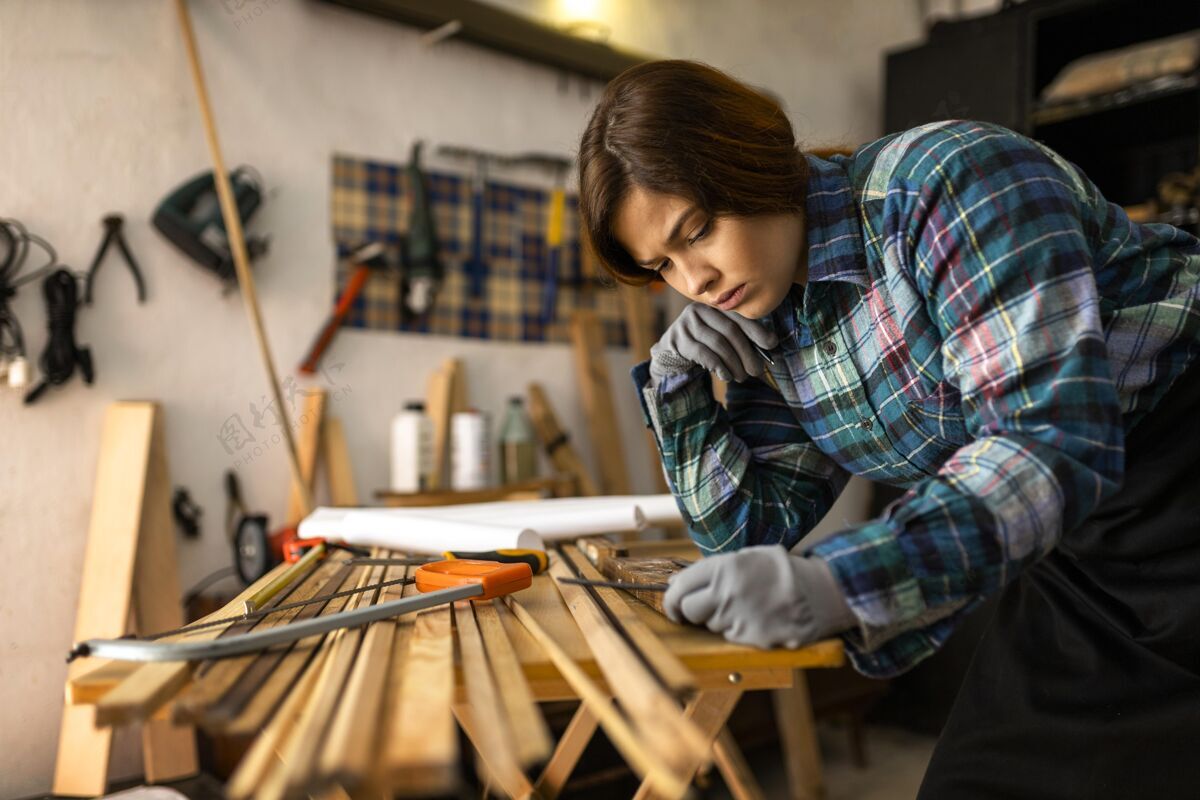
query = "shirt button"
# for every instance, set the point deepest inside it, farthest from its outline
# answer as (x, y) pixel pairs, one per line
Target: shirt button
(867, 424)
(830, 347)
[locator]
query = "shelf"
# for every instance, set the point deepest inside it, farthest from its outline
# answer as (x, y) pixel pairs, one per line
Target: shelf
(1157, 89)
(507, 32)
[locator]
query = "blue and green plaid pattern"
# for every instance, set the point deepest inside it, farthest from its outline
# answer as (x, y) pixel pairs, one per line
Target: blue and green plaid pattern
(371, 202)
(979, 327)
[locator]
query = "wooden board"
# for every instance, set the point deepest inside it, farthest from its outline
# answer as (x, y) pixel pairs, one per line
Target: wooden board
(639, 324)
(596, 389)
(107, 584)
(312, 417)
(339, 468)
(665, 664)
(557, 443)
(168, 750)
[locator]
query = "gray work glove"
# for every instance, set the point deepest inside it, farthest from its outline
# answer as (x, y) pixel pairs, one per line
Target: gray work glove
(719, 342)
(761, 596)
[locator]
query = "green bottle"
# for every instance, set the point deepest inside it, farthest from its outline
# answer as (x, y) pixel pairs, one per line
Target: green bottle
(518, 452)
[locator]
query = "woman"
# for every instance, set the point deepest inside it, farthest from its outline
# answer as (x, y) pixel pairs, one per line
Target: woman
(955, 310)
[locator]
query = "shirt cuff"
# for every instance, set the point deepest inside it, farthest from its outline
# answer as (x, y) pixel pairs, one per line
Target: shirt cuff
(870, 566)
(672, 398)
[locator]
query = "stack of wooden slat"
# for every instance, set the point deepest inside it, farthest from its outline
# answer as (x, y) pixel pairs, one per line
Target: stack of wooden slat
(373, 709)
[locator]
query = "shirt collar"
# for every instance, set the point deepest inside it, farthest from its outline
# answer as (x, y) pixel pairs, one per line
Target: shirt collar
(835, 243)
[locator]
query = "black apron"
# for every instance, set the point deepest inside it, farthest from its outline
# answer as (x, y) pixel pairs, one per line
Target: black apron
(1087, 681)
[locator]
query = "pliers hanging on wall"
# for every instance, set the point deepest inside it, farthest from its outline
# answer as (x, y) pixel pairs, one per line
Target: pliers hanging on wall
(112, 226)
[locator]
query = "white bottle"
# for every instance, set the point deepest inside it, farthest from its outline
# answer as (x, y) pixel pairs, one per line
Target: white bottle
(412, 449)
(470, 451)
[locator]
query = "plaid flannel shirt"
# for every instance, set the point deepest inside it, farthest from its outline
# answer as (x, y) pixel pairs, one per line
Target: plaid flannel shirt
(981, 327)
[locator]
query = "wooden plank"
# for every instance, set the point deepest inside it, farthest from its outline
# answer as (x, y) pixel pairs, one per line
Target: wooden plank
(492, 732)
(734, 769)
(99, 680)
(246, 707)
(168, 750)
(708, 712)
(556, 443)
(657, 717)
(300, 754)
(439, 404)
(531, 737)
(645, 760)
(643, 570)
(308, 445)
(668, 666)
(532, 489)
(419, 756)
(338, 466)
(261, 759)
(222, 675)
(567, 752)
(798, 739)
(153, 684)
(639, 326)
(106, 586)
(588, 339)
(348, 755)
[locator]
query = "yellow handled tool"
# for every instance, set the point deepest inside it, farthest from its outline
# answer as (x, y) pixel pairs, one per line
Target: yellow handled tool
(536, 559)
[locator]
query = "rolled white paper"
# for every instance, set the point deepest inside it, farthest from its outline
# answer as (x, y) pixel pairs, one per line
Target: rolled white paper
(551, 519)
(433, 535)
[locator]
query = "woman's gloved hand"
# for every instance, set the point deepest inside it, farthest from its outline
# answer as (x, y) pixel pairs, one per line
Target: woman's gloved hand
(760, 596)
(718, 342)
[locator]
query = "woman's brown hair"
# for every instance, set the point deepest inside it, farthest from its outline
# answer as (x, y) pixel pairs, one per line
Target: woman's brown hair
(684, 128)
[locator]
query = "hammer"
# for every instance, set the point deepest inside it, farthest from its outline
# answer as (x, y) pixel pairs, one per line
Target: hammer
(368, 257)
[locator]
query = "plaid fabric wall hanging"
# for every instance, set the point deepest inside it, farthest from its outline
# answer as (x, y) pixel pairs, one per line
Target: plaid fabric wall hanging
(371, 201)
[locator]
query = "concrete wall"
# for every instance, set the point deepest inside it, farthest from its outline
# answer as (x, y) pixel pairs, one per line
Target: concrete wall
(100, 116)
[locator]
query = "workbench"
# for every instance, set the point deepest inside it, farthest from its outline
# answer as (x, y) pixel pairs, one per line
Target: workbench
(378, 705)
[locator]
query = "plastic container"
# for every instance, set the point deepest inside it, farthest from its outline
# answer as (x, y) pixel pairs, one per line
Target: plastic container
(518, 450)
(412, 449)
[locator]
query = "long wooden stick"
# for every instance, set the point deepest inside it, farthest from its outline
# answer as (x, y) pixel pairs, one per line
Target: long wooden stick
(237, 244)
(645, 762)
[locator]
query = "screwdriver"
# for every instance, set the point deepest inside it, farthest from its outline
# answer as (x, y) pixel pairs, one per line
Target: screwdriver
(536, 559)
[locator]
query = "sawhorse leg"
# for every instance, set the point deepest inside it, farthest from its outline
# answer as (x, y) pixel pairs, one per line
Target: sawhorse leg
(798, 739)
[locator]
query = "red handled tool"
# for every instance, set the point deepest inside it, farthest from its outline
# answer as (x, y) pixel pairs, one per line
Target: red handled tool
(365, 259)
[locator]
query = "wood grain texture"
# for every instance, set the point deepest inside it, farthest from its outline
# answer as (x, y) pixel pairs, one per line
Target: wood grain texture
(308, 445)
(419, 754)
(655, 713)
(646, 761)
(106, 586)
(556, 443)
(338, 466)
(220, 676)
(639, 325)
(492, 733)
(348, 756)
(666, 664)
(531, 737)
(596, 390)
(168, 750)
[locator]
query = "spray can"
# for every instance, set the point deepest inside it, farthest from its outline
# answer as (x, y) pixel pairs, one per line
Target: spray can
(412, 449)
(518, 454)
(470, 448)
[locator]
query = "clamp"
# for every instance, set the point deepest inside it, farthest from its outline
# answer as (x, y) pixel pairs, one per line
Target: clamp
(112, 226)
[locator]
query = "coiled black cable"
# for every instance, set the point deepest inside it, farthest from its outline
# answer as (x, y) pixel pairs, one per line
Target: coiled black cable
(14, 247)
(62, 354)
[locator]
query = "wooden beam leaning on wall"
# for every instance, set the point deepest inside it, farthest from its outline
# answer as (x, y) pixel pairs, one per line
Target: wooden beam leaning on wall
(556, 443)
(446, 394)
(308, 445)
(635, 300)
(129, 564)
(587, 337)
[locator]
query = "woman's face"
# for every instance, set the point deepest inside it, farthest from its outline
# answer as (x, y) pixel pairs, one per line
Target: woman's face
(741, 264)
